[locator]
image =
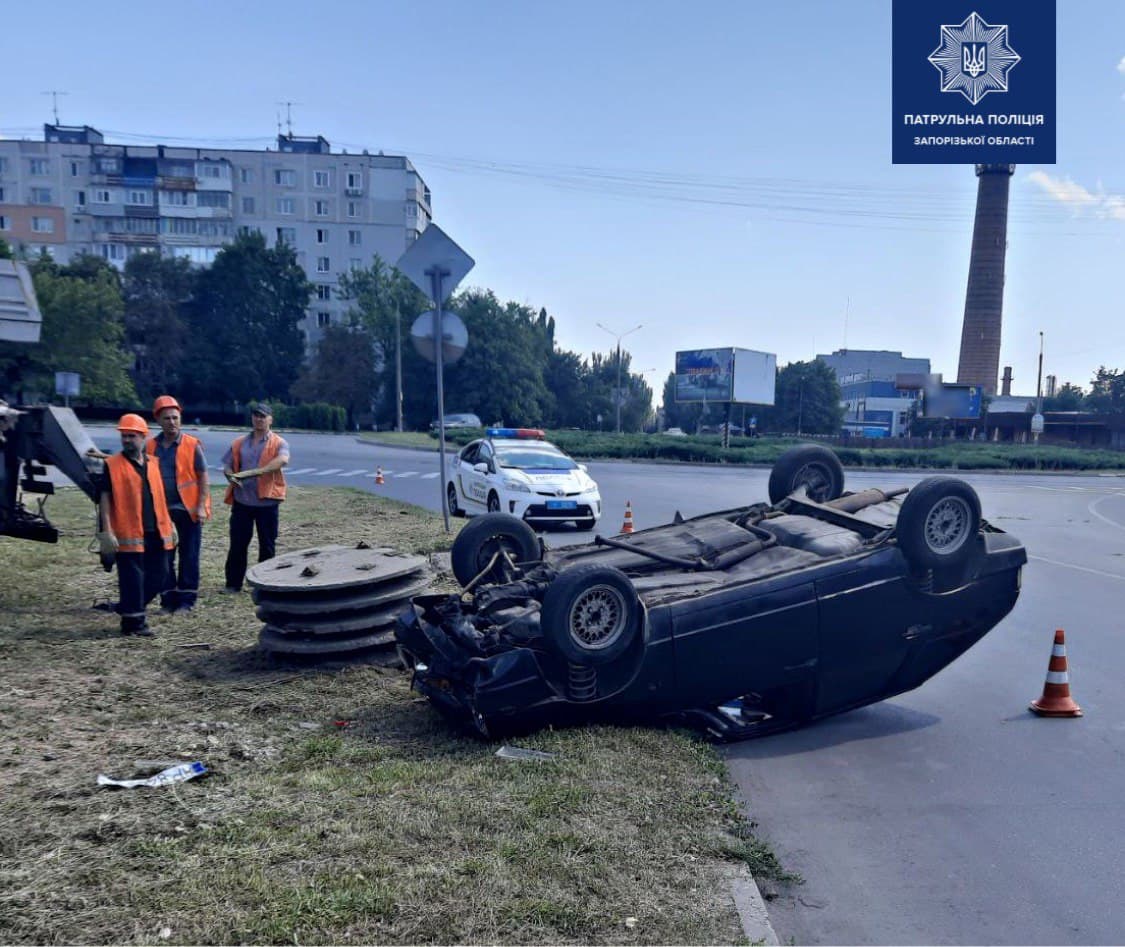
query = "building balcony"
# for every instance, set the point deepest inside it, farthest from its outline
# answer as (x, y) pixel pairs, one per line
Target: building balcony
(174, 183)
(141, 210)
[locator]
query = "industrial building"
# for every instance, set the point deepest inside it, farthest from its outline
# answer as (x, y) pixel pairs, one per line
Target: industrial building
(74, 193)
(873, 407)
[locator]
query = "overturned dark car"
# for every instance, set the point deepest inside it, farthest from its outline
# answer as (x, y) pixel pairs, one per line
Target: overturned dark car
(742, 622)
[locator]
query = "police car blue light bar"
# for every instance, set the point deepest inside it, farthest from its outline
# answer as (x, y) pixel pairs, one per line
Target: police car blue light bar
(528, 433)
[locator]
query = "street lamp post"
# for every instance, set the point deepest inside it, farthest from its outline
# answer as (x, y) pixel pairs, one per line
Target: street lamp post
(617, 394)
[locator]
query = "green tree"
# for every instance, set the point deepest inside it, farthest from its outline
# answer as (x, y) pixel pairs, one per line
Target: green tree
(386, 304)
(244, 330)
(342, 371)
(82, 332)
(157, 291)
(807, 400)
(6, 250)
(1107, 392)
(1068, 398)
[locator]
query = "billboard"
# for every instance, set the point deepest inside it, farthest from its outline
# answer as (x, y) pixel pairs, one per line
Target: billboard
(742, 376)
(952, 401)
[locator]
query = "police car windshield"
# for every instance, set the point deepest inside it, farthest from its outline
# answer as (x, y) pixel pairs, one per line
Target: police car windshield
(528, 457)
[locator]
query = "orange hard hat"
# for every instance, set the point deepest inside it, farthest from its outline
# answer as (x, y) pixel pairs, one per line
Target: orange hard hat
(133, 424)
(164, 401)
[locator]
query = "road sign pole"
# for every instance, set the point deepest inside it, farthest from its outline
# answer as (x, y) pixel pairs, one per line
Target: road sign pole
(436, 274)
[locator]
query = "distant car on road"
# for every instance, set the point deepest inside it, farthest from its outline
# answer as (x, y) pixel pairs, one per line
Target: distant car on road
(457, 421)
(516, 471)
(674, 432)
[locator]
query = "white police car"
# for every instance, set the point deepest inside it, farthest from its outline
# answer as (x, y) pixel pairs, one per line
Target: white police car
(514, 470)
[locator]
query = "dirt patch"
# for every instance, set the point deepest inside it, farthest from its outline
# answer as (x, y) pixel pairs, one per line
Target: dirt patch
(339, 808)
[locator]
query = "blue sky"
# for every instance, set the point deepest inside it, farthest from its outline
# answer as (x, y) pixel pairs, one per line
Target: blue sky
(716, 172)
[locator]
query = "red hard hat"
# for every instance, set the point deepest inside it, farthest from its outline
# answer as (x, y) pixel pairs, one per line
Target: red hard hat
(133, 424)
(164, 401)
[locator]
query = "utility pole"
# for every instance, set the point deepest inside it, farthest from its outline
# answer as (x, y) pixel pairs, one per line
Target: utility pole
(617, 393)
(398, 367)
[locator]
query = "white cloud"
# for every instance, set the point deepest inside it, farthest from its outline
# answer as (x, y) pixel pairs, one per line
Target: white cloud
(1069, 192)
(1121, 65)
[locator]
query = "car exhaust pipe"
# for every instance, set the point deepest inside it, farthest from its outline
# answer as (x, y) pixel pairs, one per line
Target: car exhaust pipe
(858, 501)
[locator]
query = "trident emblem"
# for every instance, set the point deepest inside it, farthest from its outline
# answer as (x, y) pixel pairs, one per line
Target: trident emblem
(974, 58)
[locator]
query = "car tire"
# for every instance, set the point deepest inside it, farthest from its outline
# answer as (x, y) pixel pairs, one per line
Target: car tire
(937, 522)
(584, 526)
(482, 537)
(493, 502)
(590, 614)
(811, 466)
(451, 495)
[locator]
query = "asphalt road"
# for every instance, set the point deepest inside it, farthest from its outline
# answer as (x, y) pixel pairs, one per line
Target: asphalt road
(949, 815)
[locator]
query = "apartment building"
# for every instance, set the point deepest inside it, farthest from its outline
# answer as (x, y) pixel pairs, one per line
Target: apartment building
(75, 193)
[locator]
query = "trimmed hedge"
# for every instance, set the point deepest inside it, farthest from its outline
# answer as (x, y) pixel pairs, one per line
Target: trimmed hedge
(316, 416)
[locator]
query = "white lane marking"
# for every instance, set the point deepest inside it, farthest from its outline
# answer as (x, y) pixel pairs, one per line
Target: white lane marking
(330, 470)
(1104, 519)
(1071, 565)
(430, 476)
(405, 473)
(372, 476)
(354, 473)
(293, 473)
(1036, 486)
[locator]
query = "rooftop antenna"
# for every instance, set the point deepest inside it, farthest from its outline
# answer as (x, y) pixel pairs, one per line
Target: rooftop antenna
(279, 123)
(54, 94)
(288, 117)
(847, 311)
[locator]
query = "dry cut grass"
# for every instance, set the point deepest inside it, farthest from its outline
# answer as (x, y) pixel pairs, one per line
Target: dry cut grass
(391, 829)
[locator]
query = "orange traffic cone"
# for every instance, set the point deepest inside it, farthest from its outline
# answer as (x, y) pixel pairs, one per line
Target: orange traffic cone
(1056, 700)
(627, 527)
(379, 476)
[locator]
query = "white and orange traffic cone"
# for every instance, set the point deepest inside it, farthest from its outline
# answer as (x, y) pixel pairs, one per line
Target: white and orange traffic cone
(627, 526)
(1056, 700)
(379, 476)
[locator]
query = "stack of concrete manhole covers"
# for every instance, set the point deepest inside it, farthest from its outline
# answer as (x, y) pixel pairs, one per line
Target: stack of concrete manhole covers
(334, 599)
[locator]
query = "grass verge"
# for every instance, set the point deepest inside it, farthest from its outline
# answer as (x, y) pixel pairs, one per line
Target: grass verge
(394, 829)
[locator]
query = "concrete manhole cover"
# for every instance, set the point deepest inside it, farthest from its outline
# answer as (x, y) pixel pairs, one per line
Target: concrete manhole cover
(331, 567)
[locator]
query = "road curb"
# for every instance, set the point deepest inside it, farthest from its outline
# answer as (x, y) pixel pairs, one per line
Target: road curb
(751, 908)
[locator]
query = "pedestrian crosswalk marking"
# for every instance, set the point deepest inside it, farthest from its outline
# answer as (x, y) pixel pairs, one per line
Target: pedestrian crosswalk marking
(405, 473)
(430, 476)
(330, 470)
(353, 473)
(291, 473)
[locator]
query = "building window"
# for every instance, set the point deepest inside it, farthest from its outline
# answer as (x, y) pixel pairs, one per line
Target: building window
(323, 319)
(322, 179)
(40, 166)
(323, 265)
(213, 199)
(287, 235)
(353, 208)
(1, 195)
(143, 198)
(246, 230)
(285, 205)
(322, 236)
(411, 210)
(246, 175)
(210, 171)
(5, 224)
(320, 208)
(355, 238)
(42, 225)
(178, 198)
(3, 165)
(411, 236)
(355, 180)
(40, 195)
(247, 205)
(111, 251)
(323, 291)
(285, 178)
(103, 197)
(75, 168)
(356, 263)
(79, 198)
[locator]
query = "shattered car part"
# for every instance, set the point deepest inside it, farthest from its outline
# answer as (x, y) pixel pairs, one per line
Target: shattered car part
(741, 622)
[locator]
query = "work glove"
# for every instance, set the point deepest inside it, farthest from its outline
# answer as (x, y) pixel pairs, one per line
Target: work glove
(175, 536)
(107, 544)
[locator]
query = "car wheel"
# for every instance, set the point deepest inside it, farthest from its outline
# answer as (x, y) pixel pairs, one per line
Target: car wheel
(586, 525)
(483, 538)
(451, 493)
(493, 503)
(811, 466)
(937, 522)
(590, 614)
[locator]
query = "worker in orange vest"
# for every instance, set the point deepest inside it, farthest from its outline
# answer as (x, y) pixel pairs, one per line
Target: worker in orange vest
(137, 529)
(252, 466)
(183, 470)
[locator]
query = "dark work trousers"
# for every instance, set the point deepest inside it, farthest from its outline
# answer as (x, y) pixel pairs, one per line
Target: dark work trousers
(182, 585)
(140, 578)
(243, 519)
